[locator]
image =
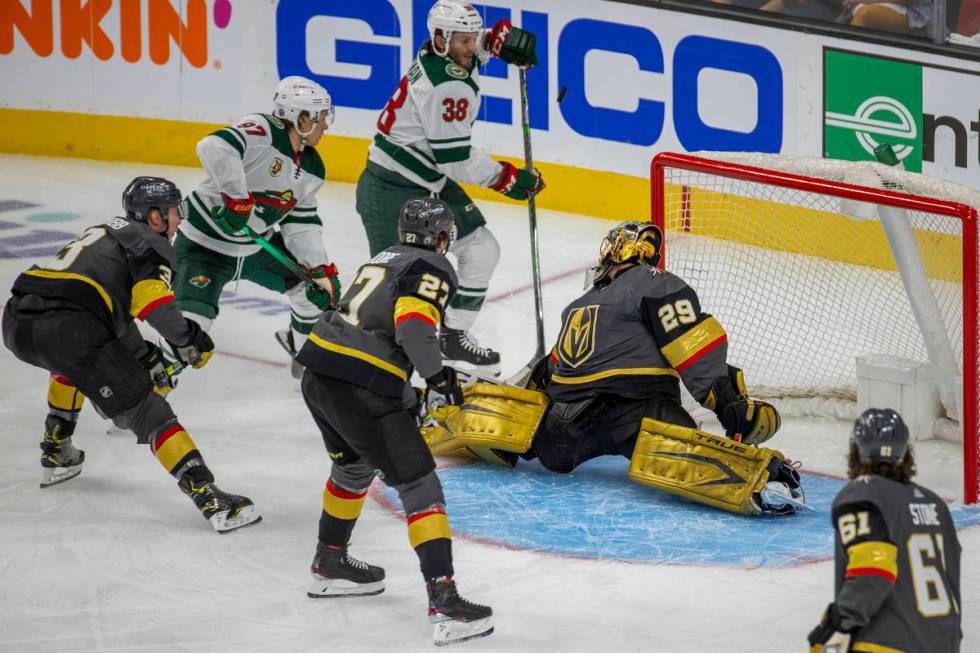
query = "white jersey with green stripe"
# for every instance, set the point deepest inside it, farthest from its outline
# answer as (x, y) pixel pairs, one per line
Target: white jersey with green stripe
(255, 156)
(424, 131)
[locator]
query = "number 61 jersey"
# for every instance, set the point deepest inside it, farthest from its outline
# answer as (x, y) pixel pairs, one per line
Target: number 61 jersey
(387, 323)
(897, 567)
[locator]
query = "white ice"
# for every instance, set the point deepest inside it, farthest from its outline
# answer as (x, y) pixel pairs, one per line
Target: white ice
(117, 559)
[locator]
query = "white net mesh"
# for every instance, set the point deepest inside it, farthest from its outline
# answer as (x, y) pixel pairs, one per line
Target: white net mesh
(805, 281)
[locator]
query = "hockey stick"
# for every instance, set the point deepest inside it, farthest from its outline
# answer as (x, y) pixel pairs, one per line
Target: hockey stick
(533, 225)
(298, 271)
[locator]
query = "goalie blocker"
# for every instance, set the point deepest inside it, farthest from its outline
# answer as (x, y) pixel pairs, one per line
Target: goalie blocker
(496, 422)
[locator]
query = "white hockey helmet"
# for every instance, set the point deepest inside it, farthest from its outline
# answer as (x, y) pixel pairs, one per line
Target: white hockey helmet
(295, 94)
(450, 16)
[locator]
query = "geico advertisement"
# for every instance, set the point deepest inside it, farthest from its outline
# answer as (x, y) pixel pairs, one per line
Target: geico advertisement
(638, 80)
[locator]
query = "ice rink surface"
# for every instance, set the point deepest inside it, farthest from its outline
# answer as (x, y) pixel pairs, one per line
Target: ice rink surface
(119, 560)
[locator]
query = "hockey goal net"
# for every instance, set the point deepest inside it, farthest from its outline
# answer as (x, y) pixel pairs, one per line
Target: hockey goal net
(810, 263)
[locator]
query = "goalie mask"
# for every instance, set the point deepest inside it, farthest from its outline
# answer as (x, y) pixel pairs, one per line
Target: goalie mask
(881, 436)
(295, 94)
(628, 242)
(422, 220)
(449, 16)
(146, 193)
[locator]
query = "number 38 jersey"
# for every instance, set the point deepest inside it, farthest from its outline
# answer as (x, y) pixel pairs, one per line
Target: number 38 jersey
(424, 131)
(897, 567)
(635, 337)
(386, 324)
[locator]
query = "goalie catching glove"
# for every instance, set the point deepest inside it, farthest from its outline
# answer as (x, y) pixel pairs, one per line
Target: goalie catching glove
(512, 44)
(744, 419)
(324, 290)
(517, 183)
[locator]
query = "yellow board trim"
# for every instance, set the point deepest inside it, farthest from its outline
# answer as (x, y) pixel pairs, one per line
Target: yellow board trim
(693, 341)
(174, 142)
(868, 647)
(406, 305)
(360, 355)
(428, 528)
(626, 371)
(874, 555)
(146, 292)
(174, 449)
(342, 508)
(51, 274)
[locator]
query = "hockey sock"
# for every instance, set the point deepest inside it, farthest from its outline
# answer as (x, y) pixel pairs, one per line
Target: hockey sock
(464, 308)
(429, 534)
(64, 399)
(176, 451)
(340, 512)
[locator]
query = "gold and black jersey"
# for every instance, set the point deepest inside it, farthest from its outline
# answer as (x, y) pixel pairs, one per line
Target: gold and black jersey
(387, 322)
(897, 567)
(637, 337)
(119, 270)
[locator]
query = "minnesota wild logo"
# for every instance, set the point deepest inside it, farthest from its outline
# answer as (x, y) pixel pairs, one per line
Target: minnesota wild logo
(276, 167)
(200, 281)
(576, 343)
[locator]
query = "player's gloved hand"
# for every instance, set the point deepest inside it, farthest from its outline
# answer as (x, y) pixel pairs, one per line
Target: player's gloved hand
(324, 292)
(828, 636)
(197, 351)
(162, 372)
(443, 389)
(517, 183)
(231, 216)
(747, 420)
(512, 44)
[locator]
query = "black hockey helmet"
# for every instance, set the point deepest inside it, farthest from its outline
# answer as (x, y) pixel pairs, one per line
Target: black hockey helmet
(423, 219)
(881, 436)
(628, 242)
(145, 193)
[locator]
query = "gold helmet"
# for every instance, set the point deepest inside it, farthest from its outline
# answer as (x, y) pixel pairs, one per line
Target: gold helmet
(628, 242)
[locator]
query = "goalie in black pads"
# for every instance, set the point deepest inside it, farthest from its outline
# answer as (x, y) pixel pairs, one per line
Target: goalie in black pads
(74, 317)
(896, 554)
(358, 363)
(612, 387)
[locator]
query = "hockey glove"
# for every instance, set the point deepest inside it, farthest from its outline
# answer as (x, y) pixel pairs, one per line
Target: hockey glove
(512, 44)
(442, 389)
(197, 351)
(324, 292)
(162, 373)
(517, 183)
(828, 636)
(744, 419)
(231, 216)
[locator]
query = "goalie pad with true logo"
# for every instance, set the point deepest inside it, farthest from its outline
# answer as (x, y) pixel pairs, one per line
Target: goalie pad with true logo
(702, 467)
(491, 417)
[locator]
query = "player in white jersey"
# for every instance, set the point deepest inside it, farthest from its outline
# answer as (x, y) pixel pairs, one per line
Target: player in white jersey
(263, 172)
(422, 148)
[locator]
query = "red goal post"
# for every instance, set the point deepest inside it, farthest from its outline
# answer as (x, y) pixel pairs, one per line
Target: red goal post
(809, 263)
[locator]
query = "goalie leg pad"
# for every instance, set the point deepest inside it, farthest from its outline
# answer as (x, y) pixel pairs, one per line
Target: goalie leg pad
(700, 466)
(491, 417)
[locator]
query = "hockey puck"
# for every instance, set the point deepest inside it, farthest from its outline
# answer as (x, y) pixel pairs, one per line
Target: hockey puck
(561, 94)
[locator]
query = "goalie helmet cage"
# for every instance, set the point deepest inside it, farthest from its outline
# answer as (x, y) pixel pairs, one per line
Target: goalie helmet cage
(811, 262)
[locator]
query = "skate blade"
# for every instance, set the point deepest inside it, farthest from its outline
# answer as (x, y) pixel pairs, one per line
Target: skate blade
(325, 588)
(223, 523)
(449, 632)
(54, 475)
(296, 369)
(489, 372)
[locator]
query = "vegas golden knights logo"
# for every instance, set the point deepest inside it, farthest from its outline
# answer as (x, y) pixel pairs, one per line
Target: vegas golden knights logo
(577, 340)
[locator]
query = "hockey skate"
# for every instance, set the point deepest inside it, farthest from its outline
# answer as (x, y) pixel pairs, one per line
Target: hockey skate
(454, 618)
(226, 512)
(460, 350)
(285, 339)
(60, 459)
(337, 573)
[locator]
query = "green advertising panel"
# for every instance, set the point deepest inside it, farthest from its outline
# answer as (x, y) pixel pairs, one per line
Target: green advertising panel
(868, 101)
